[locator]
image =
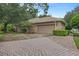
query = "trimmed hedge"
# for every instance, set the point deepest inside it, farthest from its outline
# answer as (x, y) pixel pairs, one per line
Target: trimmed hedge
(61, 32)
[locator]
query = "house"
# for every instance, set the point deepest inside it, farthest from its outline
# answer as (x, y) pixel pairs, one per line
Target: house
(46, 24)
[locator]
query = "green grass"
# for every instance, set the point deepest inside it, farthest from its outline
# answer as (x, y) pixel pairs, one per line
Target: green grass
(76, 40)
(2, 37)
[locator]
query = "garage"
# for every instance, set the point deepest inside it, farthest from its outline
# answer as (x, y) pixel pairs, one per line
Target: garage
(45, 29)
(46, 25)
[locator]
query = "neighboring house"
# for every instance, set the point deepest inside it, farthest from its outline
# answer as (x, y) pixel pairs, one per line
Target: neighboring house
(46, 24)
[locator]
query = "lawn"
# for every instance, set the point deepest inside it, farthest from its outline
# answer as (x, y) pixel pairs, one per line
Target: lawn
(17, 36)
(2, 37)
(76, 40)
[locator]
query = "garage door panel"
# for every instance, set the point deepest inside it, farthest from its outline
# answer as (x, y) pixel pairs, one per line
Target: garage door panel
(45, 29)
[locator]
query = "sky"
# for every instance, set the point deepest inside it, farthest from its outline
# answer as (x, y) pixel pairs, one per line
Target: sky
(60, 9)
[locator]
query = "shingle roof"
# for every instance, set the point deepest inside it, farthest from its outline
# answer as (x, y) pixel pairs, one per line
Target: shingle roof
(45, 19)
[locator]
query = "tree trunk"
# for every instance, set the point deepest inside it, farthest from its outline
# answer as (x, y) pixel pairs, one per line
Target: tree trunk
(5, 27)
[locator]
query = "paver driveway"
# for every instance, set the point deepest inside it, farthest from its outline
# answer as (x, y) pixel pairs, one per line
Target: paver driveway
(42, 46)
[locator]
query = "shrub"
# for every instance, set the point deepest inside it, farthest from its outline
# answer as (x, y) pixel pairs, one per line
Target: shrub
(25, 25)
(1, 32)
(23, 30)
(76, 33)
(10, 27)
(60, 32)
(44, 16)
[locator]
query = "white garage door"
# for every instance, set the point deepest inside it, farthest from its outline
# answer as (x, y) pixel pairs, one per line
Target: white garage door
(45, 28)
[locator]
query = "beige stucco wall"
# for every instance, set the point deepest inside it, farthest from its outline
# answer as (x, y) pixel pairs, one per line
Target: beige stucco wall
(34, 28)
(59, 26)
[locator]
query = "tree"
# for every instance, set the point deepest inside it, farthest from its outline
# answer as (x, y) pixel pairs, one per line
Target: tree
(1, 27)
(72, 19)
(68, 18)
(10, 27)
(14, 13)
(11, 13)
(75, 21)
(33, 9)
(45, 8)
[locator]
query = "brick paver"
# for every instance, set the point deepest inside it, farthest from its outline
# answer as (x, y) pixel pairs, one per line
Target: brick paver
(42, 46)
(65, 41)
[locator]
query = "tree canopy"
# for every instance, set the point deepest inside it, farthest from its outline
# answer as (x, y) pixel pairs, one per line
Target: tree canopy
(14, 13)
(72, 19)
